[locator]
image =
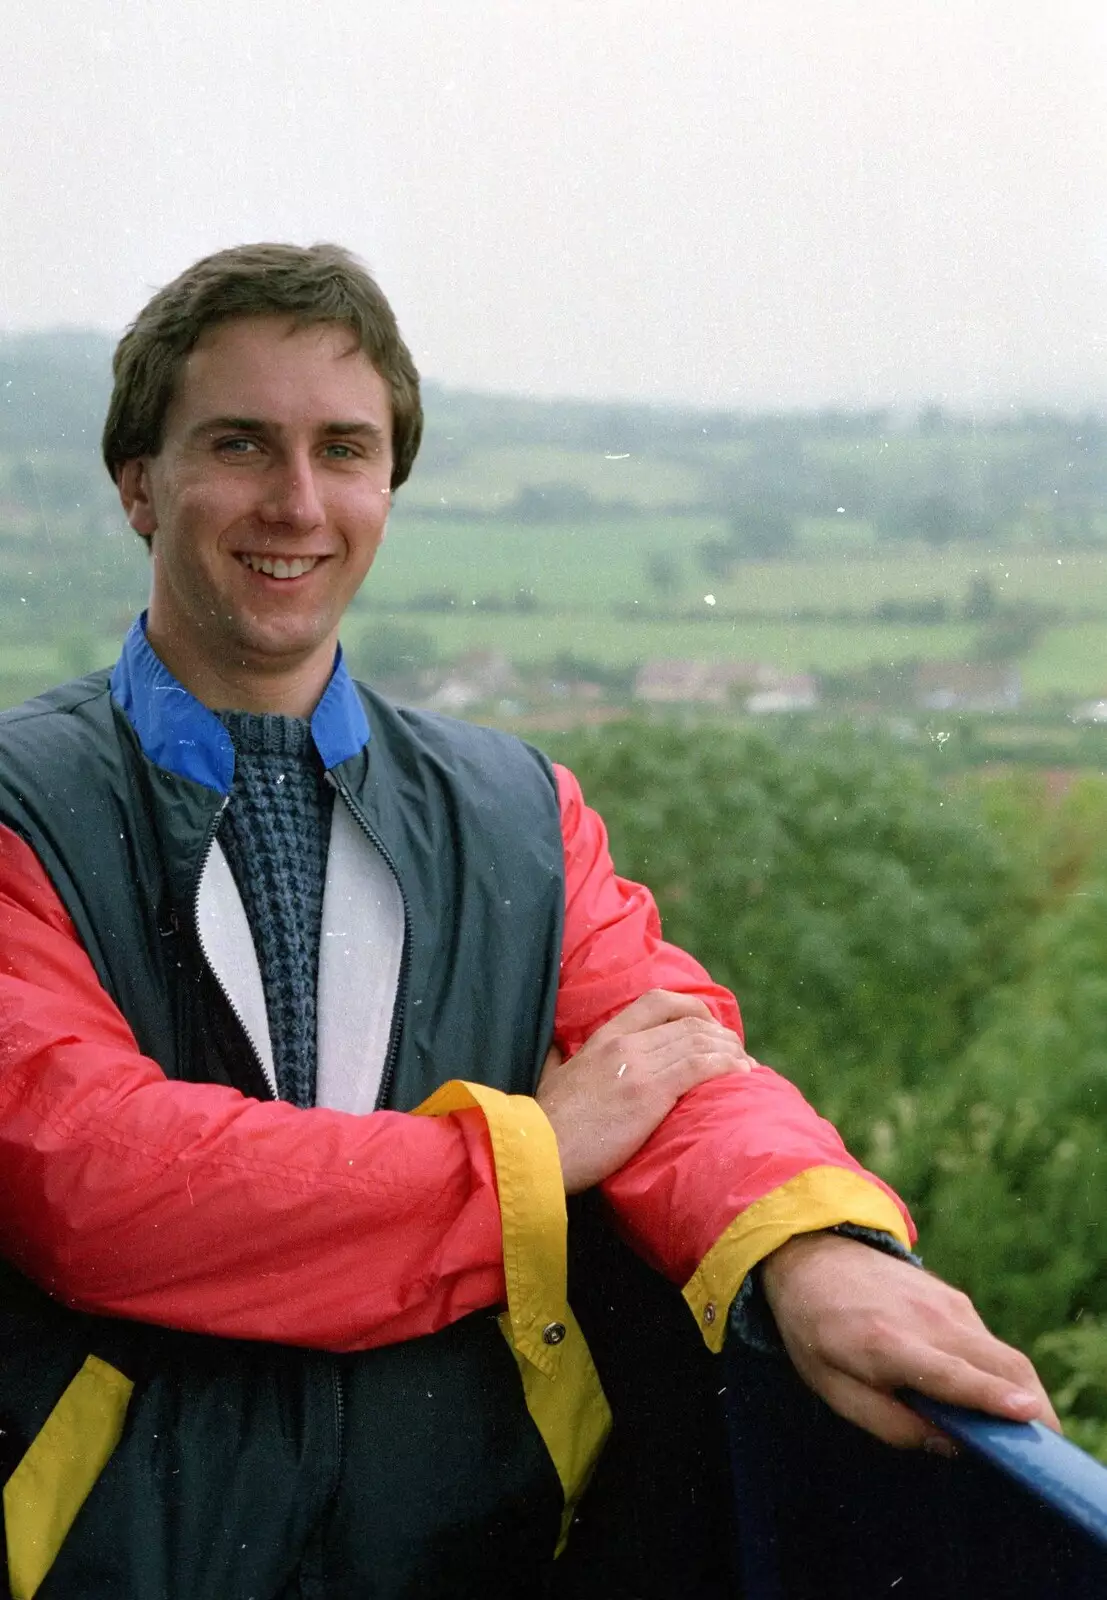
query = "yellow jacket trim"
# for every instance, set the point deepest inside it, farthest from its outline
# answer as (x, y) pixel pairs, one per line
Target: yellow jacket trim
(570, 1411)
(560, 1383)
(821, 1197)
(52, 1482)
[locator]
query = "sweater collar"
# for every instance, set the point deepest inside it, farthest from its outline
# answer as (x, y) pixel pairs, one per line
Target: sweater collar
(180, 734)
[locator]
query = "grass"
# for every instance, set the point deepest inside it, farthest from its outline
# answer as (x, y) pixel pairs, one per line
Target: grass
(622, 642)
(490, 478)
(1068, 661)
(587, 565)
(593, 565)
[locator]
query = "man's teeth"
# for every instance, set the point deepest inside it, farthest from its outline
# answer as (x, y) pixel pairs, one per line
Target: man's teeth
(277, 567)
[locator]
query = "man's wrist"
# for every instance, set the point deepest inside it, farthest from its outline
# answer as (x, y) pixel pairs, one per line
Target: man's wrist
(751, 1320)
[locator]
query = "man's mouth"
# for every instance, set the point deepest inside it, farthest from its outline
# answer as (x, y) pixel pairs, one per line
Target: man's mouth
(277, 566)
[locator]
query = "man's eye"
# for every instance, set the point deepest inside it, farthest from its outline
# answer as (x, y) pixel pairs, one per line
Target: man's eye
(340, 452)
(237, 446)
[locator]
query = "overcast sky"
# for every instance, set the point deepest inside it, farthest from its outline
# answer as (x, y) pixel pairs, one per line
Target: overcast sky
(728, 202)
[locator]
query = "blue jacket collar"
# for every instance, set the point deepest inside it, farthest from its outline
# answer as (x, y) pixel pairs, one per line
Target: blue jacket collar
(180, 734)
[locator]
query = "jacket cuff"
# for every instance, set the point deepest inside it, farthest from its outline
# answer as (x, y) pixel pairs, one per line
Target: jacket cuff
(815, 1200)
(561, 1386)
(533, 1219)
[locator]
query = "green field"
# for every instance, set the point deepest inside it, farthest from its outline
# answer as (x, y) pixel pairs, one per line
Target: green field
(489, 479)
(617, 642)
(1068, 661)
(625, 534)
(593, 596)
(596, 564)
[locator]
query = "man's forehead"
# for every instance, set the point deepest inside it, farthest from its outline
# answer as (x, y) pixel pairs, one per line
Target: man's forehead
(274, 335)
(240, 359)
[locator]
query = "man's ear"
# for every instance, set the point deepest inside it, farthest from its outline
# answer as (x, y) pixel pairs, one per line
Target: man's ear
(135, 491)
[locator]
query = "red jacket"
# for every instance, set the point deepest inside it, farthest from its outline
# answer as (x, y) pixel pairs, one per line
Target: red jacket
(192, 1206)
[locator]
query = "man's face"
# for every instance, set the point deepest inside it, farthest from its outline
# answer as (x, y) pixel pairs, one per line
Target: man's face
(265, 507)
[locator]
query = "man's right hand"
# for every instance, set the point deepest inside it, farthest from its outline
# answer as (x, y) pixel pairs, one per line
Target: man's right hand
(604, 1102)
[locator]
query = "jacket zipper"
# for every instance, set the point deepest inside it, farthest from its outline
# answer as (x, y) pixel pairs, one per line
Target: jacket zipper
(338, 1396)
(205, 857)
(339, 1420)
(389, 1068)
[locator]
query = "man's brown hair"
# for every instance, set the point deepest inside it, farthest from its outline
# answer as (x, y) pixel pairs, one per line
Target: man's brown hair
(317, 283)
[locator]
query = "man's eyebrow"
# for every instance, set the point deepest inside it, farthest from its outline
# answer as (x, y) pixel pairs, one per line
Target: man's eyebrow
(332, 430)
(353, 428)
(227, 425)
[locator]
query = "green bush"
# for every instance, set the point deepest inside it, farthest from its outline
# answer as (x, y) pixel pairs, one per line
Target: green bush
(859, 911)
(930, 965)
(1007, 1157)
(1073, 1364)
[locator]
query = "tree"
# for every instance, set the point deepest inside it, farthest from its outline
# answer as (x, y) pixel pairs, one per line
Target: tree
(1014, 1135)
(391, 650)
(859, 913)
(762, 532)
(663, 573)
(551, 502)
(981, 601)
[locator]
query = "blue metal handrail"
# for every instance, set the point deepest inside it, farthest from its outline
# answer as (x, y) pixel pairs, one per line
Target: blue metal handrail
(1051, 1467)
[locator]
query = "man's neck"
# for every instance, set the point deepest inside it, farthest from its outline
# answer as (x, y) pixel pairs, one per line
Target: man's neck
(288, 690)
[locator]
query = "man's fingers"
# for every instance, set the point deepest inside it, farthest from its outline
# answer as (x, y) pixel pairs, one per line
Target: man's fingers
(655, 1007)
(897, 1424)
(604, 1102)
(687, 1035)
(682, 1075)
(665, 1062)
(880, 1414)
(961, 1382)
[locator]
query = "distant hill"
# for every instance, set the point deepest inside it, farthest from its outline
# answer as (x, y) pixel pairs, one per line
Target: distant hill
(849, 545)
(55, 384)
(54, 389)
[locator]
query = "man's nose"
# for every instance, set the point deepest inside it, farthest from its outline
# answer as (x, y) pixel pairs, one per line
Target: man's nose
(292, 495)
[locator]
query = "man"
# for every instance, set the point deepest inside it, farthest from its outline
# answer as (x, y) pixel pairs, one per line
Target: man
(312, 1011)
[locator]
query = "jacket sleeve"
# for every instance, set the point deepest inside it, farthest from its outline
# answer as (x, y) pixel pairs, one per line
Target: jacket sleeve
(740, 1164)
(191, 1206)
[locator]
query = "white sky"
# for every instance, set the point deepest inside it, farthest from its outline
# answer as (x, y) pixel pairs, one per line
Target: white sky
(729, 202)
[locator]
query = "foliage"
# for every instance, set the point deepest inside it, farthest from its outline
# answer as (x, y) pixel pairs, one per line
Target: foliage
(1073, 1364)
(391, 651)
(1013, 1135)
(930, 964)
(860, 914)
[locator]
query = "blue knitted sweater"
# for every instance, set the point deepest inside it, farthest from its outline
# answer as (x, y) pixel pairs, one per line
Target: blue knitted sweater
(275, 833)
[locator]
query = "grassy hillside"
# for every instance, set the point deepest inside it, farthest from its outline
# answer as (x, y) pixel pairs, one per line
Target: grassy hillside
(845, 545)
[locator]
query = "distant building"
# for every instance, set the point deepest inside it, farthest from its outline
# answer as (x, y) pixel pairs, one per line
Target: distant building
(1091, 711)
(479, 676)
(714, 683)
(800, 692)
(967, 686)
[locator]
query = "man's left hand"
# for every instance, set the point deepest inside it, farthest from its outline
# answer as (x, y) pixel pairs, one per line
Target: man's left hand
(859, 1324)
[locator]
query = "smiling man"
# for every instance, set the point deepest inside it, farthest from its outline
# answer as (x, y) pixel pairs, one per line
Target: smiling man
(313, 1010)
